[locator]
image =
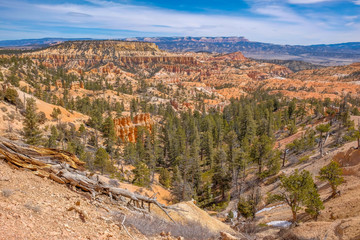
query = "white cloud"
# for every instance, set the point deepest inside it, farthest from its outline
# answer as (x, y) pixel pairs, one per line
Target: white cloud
(307, 1)
(280, 13)
(281, 25)
(357, 2)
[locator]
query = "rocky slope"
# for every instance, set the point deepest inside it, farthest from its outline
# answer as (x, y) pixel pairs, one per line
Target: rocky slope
(85, 54)
(332, 54)
(33, 201)
(340, 219)
(346, 73)
(120, 62)
(223, 76)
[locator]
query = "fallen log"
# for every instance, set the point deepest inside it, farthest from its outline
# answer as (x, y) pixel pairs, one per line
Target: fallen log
(65, 168)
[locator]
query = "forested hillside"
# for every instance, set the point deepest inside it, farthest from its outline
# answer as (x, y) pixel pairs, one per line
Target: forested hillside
(229, 134)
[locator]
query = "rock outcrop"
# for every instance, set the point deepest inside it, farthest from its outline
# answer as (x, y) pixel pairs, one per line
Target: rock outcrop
(127, 129)
(87, 54)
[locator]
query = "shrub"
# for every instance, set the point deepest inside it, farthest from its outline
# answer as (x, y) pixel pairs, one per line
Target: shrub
(42, 117)
(34, 208)
(244, 208)
(7, 192)
(11, 95)
(304, 159)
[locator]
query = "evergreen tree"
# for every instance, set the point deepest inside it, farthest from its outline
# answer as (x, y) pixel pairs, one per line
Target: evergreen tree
(101, 159)
(83, 133)
(165, 177)
(130, 155)
(313, 203)
(332, 173)
(11, 95)
(298, 190)
(248, 206)
(109, 134)
(221, 178)
(262, 153)
(180, 188)
(32, 132)
(52, 143)
(141, 174)
(207, 148)
(55, 113)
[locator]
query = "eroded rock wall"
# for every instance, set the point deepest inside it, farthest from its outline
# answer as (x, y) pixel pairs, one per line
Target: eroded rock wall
(127, 129)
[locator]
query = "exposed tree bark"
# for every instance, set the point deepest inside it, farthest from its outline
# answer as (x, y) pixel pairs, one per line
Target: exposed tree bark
(66, 168)
(284, 157)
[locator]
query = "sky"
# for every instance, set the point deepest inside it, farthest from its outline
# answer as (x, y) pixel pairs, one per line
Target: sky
(292, 22)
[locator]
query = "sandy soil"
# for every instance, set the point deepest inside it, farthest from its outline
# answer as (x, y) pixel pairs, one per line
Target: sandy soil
(340, 218)
(36, 208)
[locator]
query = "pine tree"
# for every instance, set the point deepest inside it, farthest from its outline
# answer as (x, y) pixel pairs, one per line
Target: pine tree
(248, 206)
(313, 203)
(32, 132)
(11, 95)
(109, 134)
(95, 122)
(83, 133)
(207, 148)
(180, 188)
(332, 173)
(165, 177)
(262, 153)
(52, 143)
(141, 174)
(101, 159)
(298, 190)
(221, 178)
(130, 155)
(55, 113)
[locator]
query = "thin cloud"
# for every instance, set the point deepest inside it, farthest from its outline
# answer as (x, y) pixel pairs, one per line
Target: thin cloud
(307, 1)
(267, 22)
(280, 13)
(77, 14)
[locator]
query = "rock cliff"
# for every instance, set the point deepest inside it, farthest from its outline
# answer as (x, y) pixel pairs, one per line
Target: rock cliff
(127, 129)
(89, 54)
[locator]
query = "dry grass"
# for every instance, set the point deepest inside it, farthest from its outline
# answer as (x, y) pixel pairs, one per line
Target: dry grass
(7, 192)
(34, 208)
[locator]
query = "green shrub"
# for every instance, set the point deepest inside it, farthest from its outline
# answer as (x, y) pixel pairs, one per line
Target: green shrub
(245, 208)
(304, 159)
(165, 178)
(11, 95)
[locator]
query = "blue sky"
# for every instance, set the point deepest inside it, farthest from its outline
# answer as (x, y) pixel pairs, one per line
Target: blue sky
(274, 21)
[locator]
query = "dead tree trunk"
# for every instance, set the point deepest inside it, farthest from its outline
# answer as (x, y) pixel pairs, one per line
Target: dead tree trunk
(66, 168)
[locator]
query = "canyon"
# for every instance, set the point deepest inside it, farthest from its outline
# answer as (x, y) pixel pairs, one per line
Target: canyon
(79, 86)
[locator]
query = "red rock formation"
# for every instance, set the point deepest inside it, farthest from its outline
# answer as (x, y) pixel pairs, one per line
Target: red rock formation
(87, 54)
(127, 129)
(76, 85)
(58, 84)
